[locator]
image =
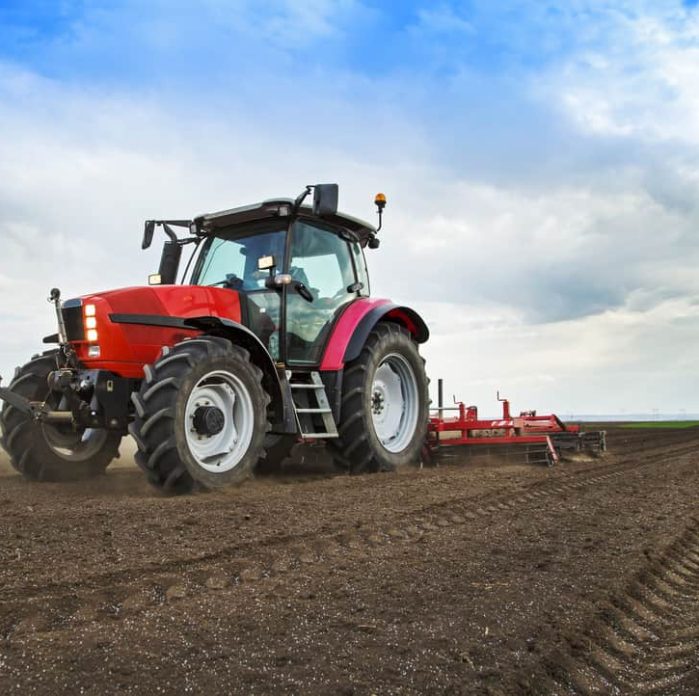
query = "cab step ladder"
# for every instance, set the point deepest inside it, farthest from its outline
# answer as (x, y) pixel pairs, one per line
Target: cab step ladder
(313, 410)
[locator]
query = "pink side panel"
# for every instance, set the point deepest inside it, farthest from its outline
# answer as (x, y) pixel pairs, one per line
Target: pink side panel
(333, 358)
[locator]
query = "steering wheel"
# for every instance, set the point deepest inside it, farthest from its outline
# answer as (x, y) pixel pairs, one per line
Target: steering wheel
(232, 282)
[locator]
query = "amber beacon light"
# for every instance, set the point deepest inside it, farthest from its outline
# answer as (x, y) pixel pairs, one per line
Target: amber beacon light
(380, 201)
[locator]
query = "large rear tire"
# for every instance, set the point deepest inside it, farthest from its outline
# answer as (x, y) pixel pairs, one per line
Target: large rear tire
(201, 416)
(385, 402)
(49, 452)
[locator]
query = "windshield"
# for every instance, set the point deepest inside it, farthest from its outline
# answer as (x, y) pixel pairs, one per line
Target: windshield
(233, 262)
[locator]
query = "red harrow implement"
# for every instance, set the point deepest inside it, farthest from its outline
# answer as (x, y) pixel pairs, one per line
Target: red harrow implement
(540, 439)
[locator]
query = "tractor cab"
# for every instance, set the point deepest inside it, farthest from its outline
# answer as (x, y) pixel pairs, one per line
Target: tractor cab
(294, 267)
(294, 273)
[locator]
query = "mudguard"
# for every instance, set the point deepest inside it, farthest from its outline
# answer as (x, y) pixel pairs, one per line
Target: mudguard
(239, 335)
(356, 323)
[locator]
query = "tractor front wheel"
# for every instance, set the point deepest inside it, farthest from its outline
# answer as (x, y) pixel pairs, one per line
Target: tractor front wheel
(385, 402)
(48, 451)
(201, 416)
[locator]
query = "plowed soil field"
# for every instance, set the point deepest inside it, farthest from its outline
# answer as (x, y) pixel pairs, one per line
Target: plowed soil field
(467, 578)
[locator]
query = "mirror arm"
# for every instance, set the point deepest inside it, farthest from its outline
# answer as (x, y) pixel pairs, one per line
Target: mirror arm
(150, 226)
(300, 199)
(189, 240)
(168, 231)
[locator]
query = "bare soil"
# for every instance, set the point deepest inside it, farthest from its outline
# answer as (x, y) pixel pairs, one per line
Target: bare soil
(468, 578)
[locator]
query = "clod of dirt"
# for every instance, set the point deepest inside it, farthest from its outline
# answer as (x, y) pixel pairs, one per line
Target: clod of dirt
(30, 624)
(175, 592)
(135, 602)
(280, 566)
(396, 533)
(250, 574)
(217, 582)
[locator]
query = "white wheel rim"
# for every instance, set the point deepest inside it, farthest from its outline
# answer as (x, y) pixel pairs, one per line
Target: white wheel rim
(394, 402)
(222, 451)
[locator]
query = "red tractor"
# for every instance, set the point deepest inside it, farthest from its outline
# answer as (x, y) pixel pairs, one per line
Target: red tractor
(271, 338)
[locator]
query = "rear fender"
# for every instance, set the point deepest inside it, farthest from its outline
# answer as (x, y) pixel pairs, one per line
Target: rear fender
(352, 329)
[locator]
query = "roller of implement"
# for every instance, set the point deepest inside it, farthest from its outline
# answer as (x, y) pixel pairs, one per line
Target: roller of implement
(536, 439)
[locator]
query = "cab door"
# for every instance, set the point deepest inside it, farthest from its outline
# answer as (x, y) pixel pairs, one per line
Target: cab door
(322, 260)
(232, 262)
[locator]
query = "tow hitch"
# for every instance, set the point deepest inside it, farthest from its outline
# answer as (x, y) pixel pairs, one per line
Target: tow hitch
(38, 410)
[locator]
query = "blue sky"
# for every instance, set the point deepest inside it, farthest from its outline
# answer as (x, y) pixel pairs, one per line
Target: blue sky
(541, 161)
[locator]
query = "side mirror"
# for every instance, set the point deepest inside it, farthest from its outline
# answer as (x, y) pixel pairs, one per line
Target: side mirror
(169, 263)
(148, 234)
(265, 263)
(325, 199)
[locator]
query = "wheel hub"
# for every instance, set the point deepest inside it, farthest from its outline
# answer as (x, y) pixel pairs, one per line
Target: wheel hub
(377, 402)
(208, 420)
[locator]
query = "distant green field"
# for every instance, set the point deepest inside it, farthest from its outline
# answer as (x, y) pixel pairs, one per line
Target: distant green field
(661, 424)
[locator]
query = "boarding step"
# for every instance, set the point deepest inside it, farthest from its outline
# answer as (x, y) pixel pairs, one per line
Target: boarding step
(313, 411)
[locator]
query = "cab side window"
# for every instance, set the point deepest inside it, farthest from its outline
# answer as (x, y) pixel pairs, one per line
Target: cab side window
(360, 265)
(322, 261)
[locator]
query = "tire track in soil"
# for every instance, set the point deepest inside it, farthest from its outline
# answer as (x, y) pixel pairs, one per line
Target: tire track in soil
(569, 481)
(645, 642)
(111, 595)
(471, 506)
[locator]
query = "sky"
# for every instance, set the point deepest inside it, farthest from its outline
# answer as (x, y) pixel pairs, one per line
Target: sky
(540, 159)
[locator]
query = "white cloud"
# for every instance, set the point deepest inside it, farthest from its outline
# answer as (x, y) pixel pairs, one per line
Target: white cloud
(621, 361)
(642, 82)
(443, 19)
(556, 254)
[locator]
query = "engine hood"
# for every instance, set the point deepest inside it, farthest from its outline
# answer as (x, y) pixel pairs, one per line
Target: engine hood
(170, 300)
(121, 330)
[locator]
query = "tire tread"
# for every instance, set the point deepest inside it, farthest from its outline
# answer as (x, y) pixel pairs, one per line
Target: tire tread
(357, 449)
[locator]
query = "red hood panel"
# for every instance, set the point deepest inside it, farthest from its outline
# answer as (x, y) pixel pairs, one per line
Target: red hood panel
(171, 300)
(125, 347)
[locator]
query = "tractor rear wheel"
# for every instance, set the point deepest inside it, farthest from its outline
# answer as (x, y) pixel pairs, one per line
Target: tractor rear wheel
(47, 451)
(385, 402)
(201, 416)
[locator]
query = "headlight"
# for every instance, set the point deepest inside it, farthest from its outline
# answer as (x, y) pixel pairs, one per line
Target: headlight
(90, 322)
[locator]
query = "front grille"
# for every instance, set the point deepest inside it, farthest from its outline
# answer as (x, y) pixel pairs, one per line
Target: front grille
(73, 318)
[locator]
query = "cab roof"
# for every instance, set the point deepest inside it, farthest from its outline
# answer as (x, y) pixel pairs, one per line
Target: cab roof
(210, 223)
